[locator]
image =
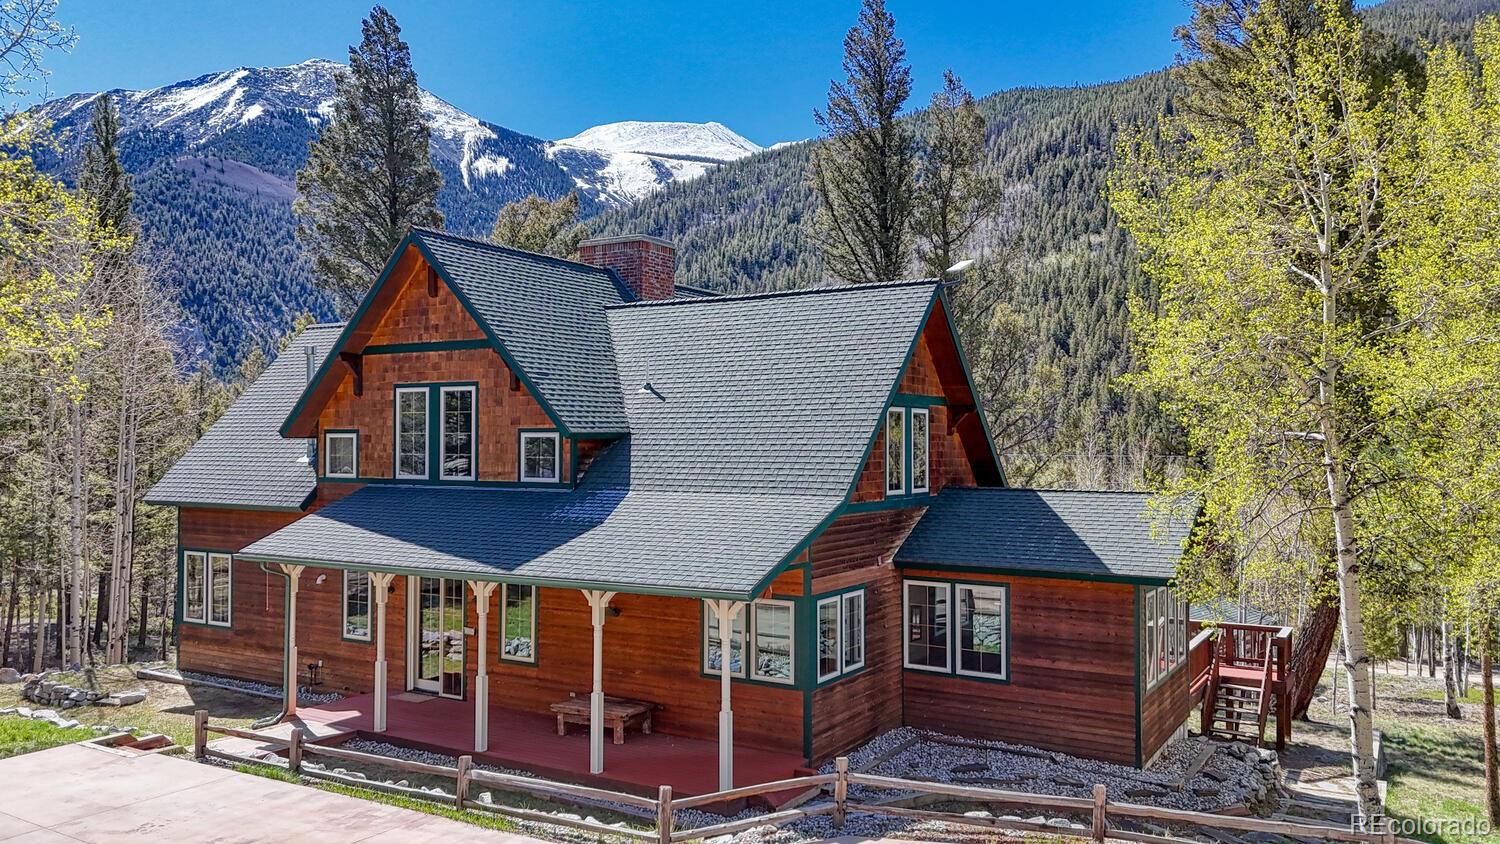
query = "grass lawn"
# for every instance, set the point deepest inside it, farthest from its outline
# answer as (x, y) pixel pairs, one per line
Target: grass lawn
(23, 735)
(168, 708)
(1434, 765)
(398, 800)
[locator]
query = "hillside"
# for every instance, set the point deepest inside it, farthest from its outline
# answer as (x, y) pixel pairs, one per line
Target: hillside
(743, 228)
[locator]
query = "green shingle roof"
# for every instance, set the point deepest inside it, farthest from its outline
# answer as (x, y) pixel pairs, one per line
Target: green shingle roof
(1067, 533)
(242, 460)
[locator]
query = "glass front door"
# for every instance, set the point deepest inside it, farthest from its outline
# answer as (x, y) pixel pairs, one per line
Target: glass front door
(438, 636)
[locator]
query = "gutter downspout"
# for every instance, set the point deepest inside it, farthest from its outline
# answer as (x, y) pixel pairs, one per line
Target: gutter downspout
(286, 607)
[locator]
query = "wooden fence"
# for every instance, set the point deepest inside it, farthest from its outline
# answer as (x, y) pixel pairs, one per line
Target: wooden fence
(661, 810)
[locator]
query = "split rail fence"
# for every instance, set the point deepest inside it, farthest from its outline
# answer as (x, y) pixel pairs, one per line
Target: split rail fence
(662, 809)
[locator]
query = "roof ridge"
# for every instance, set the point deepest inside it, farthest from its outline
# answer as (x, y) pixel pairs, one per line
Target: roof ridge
(511, 250)
(773, 294)
(1053, 489)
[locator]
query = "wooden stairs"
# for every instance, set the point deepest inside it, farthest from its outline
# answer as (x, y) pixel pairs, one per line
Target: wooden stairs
(1240, 681)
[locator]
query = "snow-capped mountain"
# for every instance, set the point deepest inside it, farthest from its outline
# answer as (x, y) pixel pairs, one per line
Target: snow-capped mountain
(215, 160)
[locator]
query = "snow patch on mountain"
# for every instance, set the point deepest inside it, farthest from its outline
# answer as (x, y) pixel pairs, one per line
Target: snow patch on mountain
(621, 162)
(665, 140)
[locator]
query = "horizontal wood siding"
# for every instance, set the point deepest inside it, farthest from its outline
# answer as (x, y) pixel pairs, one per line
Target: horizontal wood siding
(1164, 709)
(1072, 665)
(856, 550)
(251, 647)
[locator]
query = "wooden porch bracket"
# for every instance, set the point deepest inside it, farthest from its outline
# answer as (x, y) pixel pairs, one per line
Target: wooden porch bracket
(432, 282)
(958, 414)
(354, 362)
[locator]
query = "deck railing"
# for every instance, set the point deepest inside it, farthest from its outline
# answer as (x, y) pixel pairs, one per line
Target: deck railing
(1264, 648)
(661, 811)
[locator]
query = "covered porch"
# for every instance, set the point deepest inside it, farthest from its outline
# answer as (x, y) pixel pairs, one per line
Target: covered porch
(529, 741)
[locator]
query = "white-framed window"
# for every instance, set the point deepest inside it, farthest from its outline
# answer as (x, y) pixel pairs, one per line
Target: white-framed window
(357, 605)
(927, 624)
(207, 587)
(773, 629)
(895, 451)
(411, 432)
(1163, 633)
(713, 643)
(540, 452)
(518, 622)
(458, 416)
(852, 625)
(194, 578)
(920, 449)
(982, 620)
(341, 454)
(841, 634)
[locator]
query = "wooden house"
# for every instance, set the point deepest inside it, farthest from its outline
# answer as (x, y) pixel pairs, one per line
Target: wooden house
(773, 523)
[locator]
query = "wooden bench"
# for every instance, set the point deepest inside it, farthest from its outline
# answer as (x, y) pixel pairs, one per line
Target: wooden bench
(619, 713)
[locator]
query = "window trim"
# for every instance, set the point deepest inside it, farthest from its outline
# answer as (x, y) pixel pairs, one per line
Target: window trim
(911, 446)
(752, 631)
(504, 614)
(426, 436)
(442, 443)
(902, 488)
(1162, 634)
(332, 433)
(958, 668)
(202, 556)
(946, 586)
(864, 614)
(709, 618)
(556, 438)
(369, 607)
(838, 637)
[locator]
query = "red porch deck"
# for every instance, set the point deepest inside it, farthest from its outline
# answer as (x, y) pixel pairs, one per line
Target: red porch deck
(529, 742)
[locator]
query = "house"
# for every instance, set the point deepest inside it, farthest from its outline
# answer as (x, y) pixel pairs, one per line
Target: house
(779, 518)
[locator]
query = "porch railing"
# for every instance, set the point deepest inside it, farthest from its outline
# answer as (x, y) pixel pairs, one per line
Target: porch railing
(662, 809)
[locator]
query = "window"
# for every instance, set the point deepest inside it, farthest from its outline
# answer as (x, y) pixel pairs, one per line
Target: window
(518, 623)
(981, 630)
(926, 616)
(895, 451)
(841, 634)
(539, 456)
(458, 433)
(357, 605)
(773, 641)
(919, 450)
(411, 432)
(194, 570)
(1163, 634)
(853, 625)
(219, 589)
(341, 454)
(713, 643)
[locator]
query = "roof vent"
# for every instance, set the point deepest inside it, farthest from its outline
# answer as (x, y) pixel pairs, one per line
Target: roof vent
(648, 390)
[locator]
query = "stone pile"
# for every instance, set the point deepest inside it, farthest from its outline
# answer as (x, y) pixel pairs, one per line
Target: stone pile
(38, 689)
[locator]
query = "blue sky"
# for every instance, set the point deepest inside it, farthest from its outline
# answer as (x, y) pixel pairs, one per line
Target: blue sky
(553, 68)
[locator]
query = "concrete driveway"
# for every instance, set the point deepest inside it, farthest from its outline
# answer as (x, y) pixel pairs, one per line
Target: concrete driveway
(83, 793)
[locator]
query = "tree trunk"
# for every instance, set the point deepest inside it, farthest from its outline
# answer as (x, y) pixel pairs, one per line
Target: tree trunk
(1312, 644)
(140, 635)
(13, 606)
(1463, 662)
(101, 609)
(1491, 764)
(1450, 684)
(38, 628)
(73, 655)
(1432, 646)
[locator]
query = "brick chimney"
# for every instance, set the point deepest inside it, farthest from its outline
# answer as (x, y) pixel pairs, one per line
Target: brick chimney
(647, 264)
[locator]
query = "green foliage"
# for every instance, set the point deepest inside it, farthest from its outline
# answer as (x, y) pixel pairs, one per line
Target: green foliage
(23, 735)
(538, 225)
(104, 179)
(369, 175)
(863, 171)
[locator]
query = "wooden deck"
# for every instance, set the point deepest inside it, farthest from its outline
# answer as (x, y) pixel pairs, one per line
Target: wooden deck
(529, 742)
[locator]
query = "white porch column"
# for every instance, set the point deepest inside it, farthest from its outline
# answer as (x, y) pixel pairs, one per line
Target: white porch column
(724, 614)
(380, 588)
(599, 604)
(293, 574)
(482, 593)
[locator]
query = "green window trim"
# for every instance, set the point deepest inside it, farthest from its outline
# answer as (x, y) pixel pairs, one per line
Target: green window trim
(434, 421)
(503, 630)
(369, 613)
(951, 591)
(542, 435)
(207, 565)
(900, 418)
(750, 649)
(330, 434)
(840, 604)
(1162, 633)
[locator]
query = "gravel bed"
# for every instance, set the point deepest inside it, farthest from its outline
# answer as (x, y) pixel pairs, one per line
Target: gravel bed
(305, 695)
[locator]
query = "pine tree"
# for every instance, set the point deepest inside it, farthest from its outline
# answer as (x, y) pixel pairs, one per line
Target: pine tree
(103, 178)
(954, 193)
(864, 171)
(369, 175)
(538, 225)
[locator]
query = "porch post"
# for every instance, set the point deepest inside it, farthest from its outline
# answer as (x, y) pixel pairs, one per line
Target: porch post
(293, 575)
(482, 593)
(724, 614)
(598, 604)
(380, 587)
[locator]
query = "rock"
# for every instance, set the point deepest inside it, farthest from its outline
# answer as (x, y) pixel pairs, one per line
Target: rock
(977, 814)
(969, 768)
(486, 798)
(1215, 776)
(1206, 791)
(24, 711)
(67, 704)
(403, 784)
(9, 675)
